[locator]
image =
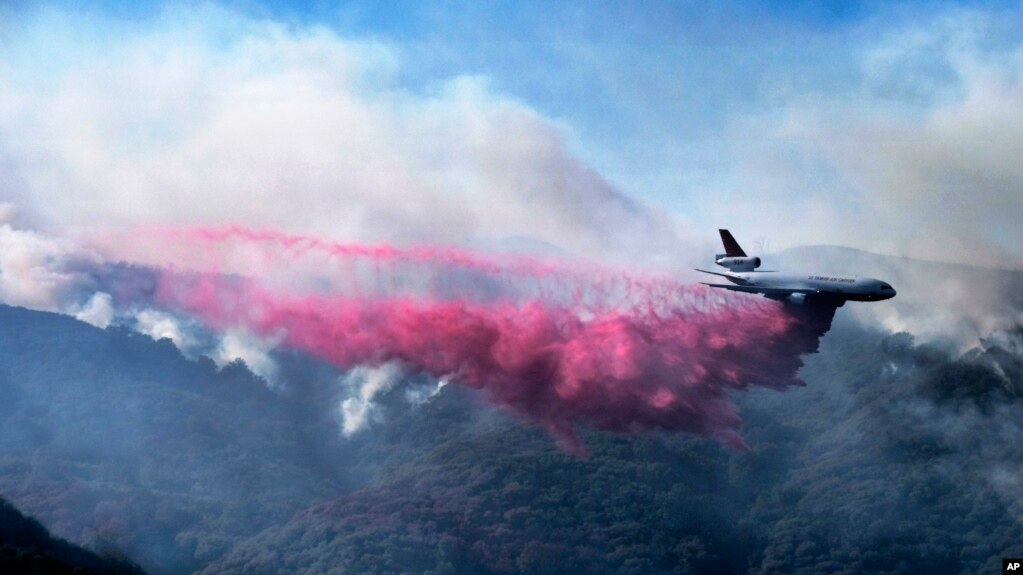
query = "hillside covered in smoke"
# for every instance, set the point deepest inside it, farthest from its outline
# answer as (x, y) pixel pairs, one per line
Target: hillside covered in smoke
(372, 287)
(898, 455)
(27, 547)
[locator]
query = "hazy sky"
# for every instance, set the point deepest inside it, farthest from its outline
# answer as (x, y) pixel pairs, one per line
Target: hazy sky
(626, 128)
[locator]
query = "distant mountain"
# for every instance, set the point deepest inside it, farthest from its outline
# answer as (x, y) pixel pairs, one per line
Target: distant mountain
(27, 547)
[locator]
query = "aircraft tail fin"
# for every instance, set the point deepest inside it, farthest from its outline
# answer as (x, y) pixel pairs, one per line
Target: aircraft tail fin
(732, 248)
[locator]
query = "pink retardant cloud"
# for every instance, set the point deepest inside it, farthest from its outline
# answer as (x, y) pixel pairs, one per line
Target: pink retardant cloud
(625, 370)
(420, 271)
(559, 344)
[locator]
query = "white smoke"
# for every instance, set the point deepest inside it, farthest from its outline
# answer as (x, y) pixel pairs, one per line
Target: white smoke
(937, 302)
(911, 149)
(162, 325)
(254, 351)
(364, 384)
(10, 215)
(420, 394)
(98, 311)
(48, 273)
(204, 116)
(34, 268)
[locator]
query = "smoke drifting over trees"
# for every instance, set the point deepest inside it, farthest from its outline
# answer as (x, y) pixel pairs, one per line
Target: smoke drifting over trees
(558, 343)
(617, 352)
(238, 401)
(364, 457)
(896, 454)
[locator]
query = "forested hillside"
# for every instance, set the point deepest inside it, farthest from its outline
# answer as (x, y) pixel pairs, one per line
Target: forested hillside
(117, 441)
(27, 547)
(887, 463)
(895, 457)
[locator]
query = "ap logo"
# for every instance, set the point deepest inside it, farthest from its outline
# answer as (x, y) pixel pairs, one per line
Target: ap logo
(1012, 566)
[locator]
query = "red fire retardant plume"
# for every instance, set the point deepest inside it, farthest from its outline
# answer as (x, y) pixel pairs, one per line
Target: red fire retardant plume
(646, 367)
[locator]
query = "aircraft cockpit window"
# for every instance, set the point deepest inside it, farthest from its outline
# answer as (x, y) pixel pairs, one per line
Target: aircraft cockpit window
(885, 286)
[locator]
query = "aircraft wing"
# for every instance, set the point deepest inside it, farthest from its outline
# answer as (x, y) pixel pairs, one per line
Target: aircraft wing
(764, 290)
(729, 276)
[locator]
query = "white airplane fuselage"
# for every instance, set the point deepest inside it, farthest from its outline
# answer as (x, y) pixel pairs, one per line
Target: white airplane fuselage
(795, 288)
(838, 287)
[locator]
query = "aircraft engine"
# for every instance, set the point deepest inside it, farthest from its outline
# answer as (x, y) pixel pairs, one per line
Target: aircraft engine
(739, 264)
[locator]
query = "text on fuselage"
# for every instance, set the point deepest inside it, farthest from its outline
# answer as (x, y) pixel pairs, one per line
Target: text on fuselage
(832, 279)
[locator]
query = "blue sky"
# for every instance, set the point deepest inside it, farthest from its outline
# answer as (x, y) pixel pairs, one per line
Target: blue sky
(796, 122)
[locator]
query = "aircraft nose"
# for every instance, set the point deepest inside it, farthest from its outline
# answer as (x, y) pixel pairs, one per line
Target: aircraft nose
(884, 290)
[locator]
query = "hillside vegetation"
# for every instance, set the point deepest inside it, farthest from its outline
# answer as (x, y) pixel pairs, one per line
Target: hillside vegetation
(896, 457)
(27, 547)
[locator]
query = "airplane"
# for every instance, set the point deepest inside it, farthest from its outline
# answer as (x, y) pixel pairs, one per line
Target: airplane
(804, 289)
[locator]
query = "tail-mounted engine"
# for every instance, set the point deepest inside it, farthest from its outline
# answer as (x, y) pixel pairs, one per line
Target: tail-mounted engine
(737, 264)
